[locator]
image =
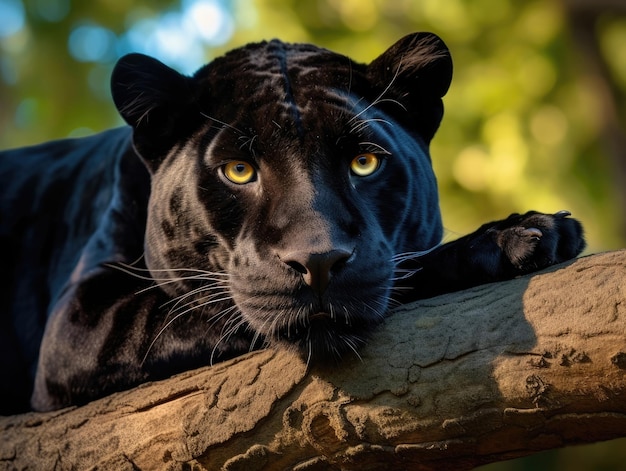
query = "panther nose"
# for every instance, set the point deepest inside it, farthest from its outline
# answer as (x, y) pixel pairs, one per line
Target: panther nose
(317, 268)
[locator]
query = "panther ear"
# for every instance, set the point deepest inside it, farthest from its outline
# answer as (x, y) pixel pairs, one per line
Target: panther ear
(416, 71)
(152, 98)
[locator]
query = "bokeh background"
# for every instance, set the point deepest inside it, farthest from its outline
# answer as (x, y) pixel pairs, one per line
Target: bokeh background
(534, 118)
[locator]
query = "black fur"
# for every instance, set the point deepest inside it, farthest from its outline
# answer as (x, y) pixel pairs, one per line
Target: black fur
(119, 269)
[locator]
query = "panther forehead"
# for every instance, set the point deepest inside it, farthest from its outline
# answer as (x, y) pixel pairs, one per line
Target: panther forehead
(285, 81)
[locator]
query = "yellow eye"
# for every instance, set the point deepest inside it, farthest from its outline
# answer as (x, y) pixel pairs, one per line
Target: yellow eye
(364, 164)
(239, 172)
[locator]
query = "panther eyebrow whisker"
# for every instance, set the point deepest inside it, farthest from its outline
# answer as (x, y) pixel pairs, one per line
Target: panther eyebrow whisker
(394, 101)
(381, 149)
(224, 124)
(248, 142)
(350, 76)
(364, 123)
(379, 98)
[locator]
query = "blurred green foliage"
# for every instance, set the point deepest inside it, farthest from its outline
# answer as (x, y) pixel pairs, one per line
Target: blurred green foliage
(523, 128)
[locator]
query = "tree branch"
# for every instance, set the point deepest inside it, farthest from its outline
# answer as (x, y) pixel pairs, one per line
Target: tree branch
(487, 374)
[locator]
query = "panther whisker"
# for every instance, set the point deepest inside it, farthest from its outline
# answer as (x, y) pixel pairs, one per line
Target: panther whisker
(221, 314)
(352, 345)
(227, 329)
(215, 284)
(290, 322)
(309, 347)
(178, 316)
(273, 326)
(255, 338)
(188, 300)
(218, 277)
(380, 313)
(232, 314)
(187, 308)
(199, 302)
(393, 303)
(230, 326)
(415, 253)
(398, 291)
(404, 256)
(381, 300)
(232, 323)
(345, 309)
(191, 270)
(298, 318)
(200, 289)
(158, 335)
(258, 331)
(403, 274)
(225, 335)
(169, 281)
(129, 269)
(401, 288)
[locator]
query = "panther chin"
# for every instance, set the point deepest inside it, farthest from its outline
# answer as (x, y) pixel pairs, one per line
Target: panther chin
(327, 339)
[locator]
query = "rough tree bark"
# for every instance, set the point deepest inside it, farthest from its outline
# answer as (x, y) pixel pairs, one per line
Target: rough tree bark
(491, 373)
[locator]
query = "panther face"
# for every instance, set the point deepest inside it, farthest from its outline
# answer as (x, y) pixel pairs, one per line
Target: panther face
(286, 181)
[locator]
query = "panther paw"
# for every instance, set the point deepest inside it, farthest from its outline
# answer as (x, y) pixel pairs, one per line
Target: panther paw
(533, 240)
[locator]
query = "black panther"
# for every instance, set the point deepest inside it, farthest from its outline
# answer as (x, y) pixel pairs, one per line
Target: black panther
(283, 195)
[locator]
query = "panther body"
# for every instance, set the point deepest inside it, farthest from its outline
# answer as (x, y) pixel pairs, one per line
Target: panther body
(283, 194)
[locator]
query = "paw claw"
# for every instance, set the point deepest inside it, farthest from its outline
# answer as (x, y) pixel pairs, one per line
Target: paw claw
(562, 214)
(533, 232)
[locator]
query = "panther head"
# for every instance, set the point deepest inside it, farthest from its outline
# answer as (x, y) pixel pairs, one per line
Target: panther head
(286, 182)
